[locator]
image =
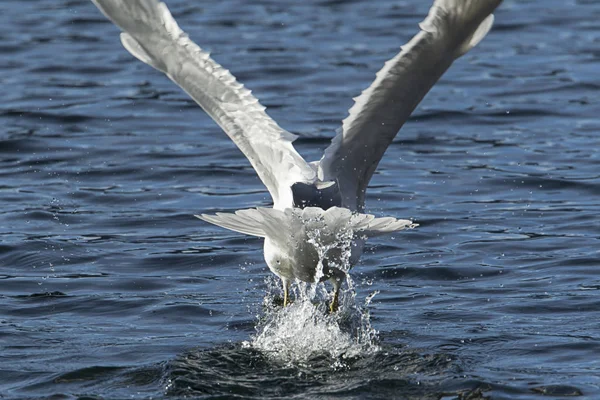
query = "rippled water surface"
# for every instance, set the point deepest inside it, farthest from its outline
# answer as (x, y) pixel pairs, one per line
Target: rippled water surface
(110, 288)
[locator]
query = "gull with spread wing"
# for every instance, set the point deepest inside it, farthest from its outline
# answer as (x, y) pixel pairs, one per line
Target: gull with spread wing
(324, 198)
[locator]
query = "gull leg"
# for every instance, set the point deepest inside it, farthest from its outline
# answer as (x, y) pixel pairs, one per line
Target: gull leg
(333, 307)
(336, 280)
(286, 292)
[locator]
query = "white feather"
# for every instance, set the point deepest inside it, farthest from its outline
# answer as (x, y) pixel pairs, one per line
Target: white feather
(152, 35)
(269, 222)
(451, 29)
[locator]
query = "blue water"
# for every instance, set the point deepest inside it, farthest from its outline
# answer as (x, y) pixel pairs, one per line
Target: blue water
(110, 288)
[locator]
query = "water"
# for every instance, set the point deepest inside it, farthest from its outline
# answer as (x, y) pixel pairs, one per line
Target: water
(110, 288)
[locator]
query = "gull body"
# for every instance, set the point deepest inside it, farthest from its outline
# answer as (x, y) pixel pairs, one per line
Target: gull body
(317, 205)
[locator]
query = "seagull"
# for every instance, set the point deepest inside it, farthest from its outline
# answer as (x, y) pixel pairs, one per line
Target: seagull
(316, 229)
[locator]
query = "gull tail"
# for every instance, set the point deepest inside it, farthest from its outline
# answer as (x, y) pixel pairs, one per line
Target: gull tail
(253, 222)
(268, 222)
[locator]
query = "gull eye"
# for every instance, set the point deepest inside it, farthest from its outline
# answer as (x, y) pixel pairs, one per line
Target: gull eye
(278, 262)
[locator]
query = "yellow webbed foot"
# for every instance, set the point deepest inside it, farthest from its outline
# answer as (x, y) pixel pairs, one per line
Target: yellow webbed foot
(335, 304)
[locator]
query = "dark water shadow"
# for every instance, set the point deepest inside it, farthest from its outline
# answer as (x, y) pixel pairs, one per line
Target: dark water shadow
(236, 371)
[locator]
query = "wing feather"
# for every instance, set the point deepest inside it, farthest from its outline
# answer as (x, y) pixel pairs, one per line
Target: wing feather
(153, 36)
(451, 29)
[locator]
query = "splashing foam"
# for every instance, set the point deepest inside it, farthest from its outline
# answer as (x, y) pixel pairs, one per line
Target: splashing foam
(304, 330)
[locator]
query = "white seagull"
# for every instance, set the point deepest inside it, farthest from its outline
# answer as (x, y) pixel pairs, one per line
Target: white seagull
(316, 204)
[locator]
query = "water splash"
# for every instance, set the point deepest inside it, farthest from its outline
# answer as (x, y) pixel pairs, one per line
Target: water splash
(305, 330)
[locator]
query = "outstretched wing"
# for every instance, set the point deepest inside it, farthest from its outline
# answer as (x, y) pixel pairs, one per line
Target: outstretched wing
(451, 29)
(153, 36)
